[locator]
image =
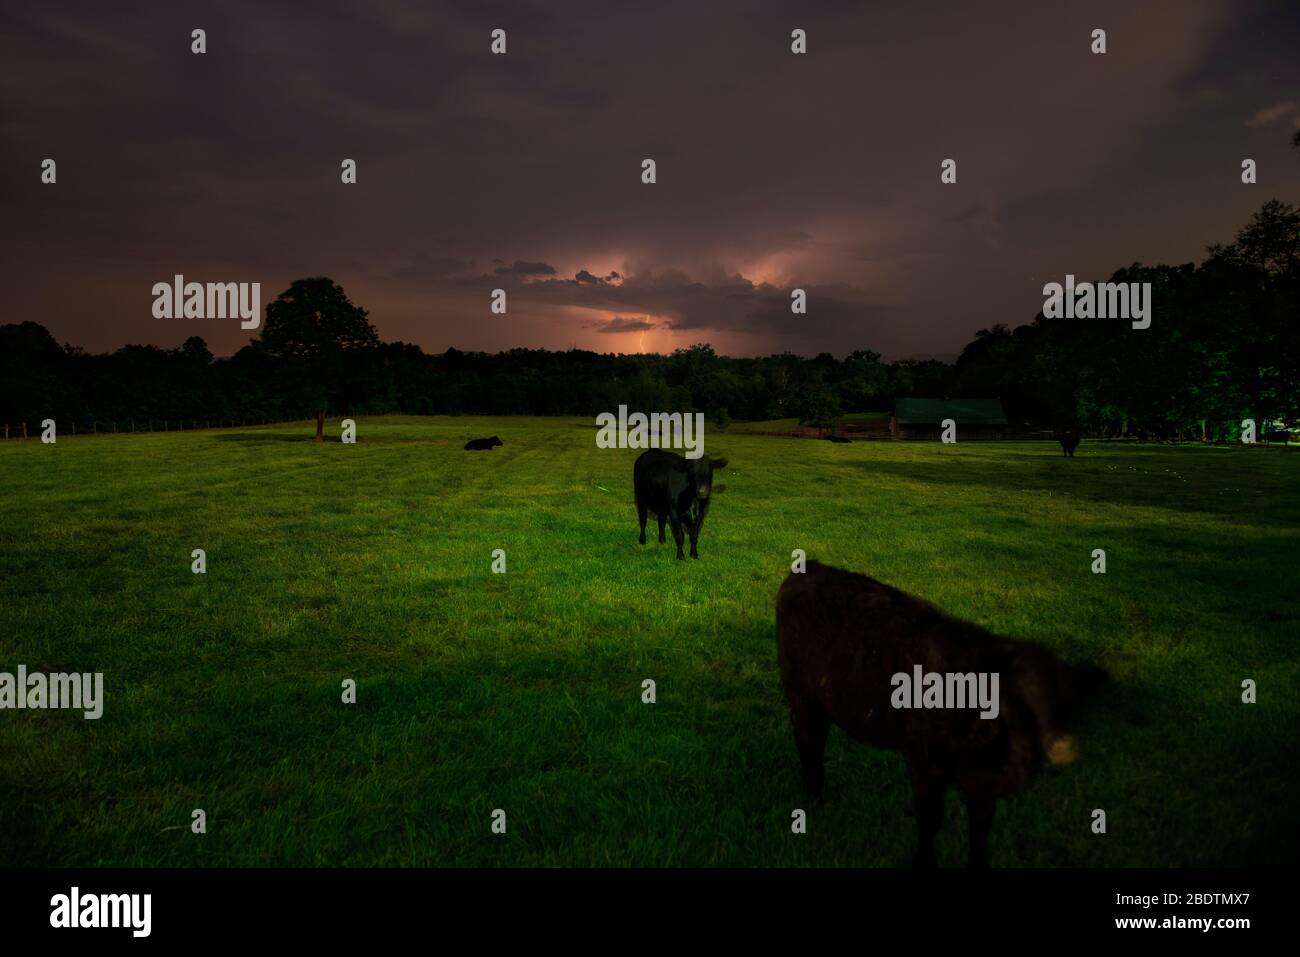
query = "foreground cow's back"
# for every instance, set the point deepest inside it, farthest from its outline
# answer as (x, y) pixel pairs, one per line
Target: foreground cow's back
(842, 637)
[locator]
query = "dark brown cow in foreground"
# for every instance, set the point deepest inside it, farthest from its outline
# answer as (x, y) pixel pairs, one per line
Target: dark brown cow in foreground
(842, 640)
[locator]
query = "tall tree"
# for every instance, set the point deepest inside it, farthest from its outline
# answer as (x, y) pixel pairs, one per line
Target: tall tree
(1258, 276)
(323, 337)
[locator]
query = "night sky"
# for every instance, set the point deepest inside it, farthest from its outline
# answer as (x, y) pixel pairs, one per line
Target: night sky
(523, 171)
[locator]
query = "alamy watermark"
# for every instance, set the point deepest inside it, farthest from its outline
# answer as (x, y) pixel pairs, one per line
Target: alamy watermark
(1101, 300)
(38, 691)
(75, 909)
(658, 430)
(935, 689)
(179, 299)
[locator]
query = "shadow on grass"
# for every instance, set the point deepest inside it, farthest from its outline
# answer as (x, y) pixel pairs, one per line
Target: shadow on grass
(590, 773)
(1093, 481)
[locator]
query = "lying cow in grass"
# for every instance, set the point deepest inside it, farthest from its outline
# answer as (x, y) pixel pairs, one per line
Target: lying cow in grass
(480, 444)
(844, 640)
(677, 490)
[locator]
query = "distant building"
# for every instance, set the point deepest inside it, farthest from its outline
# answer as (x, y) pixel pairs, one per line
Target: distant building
(923, 418)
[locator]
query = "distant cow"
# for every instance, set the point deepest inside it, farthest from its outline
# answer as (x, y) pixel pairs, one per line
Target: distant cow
(842, 640)
(474, 444)
(677, 490)
(839, 438)
(1069, 439)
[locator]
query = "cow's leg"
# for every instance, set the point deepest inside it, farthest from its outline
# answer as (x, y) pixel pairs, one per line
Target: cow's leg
(663, 520)
(641, 515)
(695, 537)
(927, 799)
(678, 537)
(811, 726)
(979, 812)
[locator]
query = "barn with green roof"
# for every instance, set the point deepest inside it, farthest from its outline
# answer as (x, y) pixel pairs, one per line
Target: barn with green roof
(923, 418)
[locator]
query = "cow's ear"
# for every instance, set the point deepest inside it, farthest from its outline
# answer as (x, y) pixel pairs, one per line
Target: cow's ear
(719, 463)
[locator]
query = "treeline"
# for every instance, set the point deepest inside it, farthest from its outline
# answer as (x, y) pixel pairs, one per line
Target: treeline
(43, 379)
(1223, 345)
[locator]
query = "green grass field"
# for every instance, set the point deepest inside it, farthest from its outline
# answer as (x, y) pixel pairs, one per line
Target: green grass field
(522, 691)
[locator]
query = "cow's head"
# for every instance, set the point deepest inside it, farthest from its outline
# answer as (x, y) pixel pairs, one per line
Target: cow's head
(495, 441)
(1055, 692)
(701, 471)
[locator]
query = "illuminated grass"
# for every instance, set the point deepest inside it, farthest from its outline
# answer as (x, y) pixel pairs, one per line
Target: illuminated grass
(522, 691)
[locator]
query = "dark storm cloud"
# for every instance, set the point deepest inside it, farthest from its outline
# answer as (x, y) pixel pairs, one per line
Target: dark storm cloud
(691, 307)
(623, 324)
(583, 276)
(774, 171)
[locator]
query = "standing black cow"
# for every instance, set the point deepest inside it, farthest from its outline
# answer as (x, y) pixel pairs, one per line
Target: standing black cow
(677, 490)
(1069, 439)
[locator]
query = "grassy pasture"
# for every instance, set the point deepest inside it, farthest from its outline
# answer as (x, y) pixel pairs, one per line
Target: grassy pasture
(522, 691)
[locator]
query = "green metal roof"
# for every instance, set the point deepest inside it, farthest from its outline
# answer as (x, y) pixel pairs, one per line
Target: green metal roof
(961, 411)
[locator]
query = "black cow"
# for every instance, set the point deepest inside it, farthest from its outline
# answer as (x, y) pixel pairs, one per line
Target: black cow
(1069, 439)
(474, 444)
(839, 438)
(842, 638)
(677, 490)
